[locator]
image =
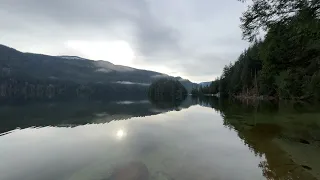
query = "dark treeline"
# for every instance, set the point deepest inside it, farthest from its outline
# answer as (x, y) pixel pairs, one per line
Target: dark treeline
(166, 89)
(20, 89)
(167, 93)
(285, 64)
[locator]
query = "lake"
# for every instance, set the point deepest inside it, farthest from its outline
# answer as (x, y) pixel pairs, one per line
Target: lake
(205, 139)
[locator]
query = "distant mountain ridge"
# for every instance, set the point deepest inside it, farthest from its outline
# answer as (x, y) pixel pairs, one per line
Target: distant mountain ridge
(205, 83)
(44, 68)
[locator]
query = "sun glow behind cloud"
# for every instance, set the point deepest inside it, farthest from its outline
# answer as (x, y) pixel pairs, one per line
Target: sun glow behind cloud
(121, 134)
(190, 38)
(117, 52)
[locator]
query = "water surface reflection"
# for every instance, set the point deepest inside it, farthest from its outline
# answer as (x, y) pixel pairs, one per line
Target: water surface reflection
(192, 141)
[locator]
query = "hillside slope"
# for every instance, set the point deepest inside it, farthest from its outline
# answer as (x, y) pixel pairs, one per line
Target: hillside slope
(18, 68)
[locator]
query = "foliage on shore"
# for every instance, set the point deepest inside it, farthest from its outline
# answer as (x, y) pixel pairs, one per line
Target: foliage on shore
(167, 89)
(286, 63)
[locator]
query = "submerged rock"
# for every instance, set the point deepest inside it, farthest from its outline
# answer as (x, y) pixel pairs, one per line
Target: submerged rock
(304, 141)
(131, 171)
(306, 167)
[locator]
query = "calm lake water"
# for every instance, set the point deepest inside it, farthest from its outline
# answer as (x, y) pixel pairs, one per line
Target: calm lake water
(198, 139)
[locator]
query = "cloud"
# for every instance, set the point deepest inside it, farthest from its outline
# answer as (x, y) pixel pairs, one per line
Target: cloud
(131, 83)
(193, 37)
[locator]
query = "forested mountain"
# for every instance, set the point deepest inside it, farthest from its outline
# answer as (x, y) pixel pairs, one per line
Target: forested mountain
(27, 76)
(285, 64)
(167, 90)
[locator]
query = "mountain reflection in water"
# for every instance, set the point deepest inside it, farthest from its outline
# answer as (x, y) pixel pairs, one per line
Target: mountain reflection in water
(203, 138)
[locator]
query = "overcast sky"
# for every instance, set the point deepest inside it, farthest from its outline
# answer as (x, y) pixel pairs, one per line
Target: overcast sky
(189, 38)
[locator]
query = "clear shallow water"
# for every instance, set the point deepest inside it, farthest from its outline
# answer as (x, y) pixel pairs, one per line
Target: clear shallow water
(195, 142)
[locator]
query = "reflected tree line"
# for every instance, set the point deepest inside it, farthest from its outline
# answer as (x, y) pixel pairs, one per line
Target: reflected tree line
(164, 95)
(258, 124)
(81, 112)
